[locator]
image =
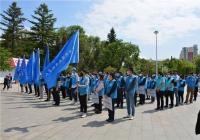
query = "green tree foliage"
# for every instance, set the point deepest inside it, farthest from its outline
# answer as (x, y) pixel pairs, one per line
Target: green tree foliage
(42, 30)
(12, 21)
(181, 66)
(111, 36)
(197, 63)
(120, 54)
(4, 59)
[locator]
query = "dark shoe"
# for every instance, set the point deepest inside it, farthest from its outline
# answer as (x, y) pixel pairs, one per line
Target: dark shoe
(107, 119)
(97, 112)
(161, 108)
(110, 120)
(157, 108)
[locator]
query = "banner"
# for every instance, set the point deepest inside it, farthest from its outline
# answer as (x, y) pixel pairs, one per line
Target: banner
(95, 98)
(107, 102)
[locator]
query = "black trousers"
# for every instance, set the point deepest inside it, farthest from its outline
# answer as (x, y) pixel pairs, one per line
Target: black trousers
(38, 91)
(160, 100)
(135, 98)
(169, 94)
(74, 94)
(83, 103)
(6, 85)
(68, 90)
(56, 97)
(35, 89)
(180, 95)
(63, 92)
(195, 93)
(111, 113)
(142, 98)
(30, 88)
(98, 107)
(48, 95)
(26, 88)
(120, 92)
(22, 88)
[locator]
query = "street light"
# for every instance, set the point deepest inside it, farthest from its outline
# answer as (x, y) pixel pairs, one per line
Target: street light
(156, 32)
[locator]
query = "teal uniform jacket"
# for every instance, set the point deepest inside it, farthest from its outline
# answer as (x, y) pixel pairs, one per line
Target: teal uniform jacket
(101, 92)
(169, 85)
(181, 85)
(83, 87)
(68, 82)
(131, 84)
(111, 89)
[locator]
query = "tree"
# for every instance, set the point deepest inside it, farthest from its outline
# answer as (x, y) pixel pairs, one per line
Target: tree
(197, 63)
(12, 20)
(42, 30)
(112, 36)
(119, 54)
(4, 57)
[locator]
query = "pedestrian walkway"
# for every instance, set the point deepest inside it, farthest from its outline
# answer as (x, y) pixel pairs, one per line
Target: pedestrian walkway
(25, 117)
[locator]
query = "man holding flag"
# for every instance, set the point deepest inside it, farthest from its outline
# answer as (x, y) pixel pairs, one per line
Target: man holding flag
(68, 55)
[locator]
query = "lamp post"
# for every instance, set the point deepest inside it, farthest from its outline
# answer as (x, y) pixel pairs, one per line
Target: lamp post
(156, 33)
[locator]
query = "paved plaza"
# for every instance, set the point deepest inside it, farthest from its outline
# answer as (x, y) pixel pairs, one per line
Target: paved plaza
(25, 117)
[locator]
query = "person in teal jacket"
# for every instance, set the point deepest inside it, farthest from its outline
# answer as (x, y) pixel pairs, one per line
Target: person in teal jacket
(160, 90)
(169, 91)
(111, 91)
(83, 89)
(99, 89)
(130, 89)
(68, 85)
(181, 86)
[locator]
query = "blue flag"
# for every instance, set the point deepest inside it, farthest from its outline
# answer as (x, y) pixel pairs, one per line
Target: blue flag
(17, 70)
(37, 68)
(62, 60)
(30, 68)
(23, 72)
(46, 61)
(75, 56)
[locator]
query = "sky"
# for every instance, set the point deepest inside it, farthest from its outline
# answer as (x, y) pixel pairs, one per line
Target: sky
(178, 21)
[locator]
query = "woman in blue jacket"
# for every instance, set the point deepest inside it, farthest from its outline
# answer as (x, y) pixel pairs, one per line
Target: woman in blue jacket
(99, 89)
(83, 88)
(111, 91)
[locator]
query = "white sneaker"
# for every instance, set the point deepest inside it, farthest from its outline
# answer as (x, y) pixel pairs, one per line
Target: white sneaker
(81, 114)
(128, 116)
(131, 117)
(84, 115)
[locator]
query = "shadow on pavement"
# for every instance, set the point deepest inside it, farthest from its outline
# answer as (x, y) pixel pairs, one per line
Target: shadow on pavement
(20, 129)
(150, 111)
(103, 123)
(66, 119)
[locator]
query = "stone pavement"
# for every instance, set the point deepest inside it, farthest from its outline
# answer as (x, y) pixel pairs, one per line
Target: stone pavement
(25, 117)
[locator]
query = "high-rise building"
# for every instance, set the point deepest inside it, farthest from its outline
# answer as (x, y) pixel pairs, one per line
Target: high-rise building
(188, 53)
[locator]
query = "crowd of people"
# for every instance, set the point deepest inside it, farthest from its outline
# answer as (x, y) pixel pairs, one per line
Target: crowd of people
(167, 89)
